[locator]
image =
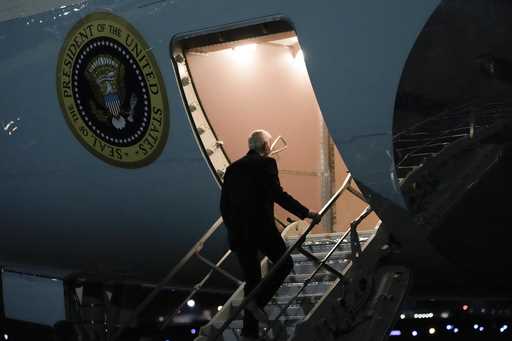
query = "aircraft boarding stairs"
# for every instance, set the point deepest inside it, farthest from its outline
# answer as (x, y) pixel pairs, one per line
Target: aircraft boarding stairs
(339, 288)
(418, 144)
(293, 301)
(440, 158)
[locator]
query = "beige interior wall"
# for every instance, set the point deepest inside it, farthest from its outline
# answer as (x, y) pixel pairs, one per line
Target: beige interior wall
(266, 89)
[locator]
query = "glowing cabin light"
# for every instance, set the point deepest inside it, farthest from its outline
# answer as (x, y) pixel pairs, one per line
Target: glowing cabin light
(395, 333)
(455, 330)
(414, 333)
(298, 59)
(449, 327)
(465, 307)
(402, 316)
(243, 53)
(299, 56)
(245, 48)
(445, 314)
(191, 303)
(219, 308)
(6, 337)
(481, 329)
(475, 326)
(193, 331)
(432, 331)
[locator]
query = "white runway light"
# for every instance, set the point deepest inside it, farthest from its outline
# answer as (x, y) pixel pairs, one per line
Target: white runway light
(191, 303)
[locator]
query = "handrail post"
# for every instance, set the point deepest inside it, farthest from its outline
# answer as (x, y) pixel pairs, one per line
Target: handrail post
(167, 278)
(355, 244)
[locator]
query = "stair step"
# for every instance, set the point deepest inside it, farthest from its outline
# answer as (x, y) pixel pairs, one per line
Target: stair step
(290, 289)
(307, 267)
(293, 310)
(342, 254)
(319, 277)
(330, 238)
(323, 245)
(301, 300)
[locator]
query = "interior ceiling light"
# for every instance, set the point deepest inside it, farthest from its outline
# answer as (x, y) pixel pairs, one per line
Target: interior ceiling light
(299, 56)
(243, 52)
(247, 48)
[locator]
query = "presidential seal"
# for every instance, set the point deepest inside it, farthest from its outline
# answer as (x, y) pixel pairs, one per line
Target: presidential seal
(111, 91)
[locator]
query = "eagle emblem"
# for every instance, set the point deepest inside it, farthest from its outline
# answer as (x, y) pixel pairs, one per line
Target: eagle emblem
(106, 77)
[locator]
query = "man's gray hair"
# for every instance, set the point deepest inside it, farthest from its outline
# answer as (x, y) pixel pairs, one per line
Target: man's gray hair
(257, 140)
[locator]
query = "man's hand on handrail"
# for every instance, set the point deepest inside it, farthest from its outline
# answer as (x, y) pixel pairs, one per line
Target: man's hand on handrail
(314, 216)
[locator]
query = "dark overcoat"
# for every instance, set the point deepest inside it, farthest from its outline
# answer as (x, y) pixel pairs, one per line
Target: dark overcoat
(251, 187)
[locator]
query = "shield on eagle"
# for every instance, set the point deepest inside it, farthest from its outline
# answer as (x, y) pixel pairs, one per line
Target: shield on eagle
(105, 74)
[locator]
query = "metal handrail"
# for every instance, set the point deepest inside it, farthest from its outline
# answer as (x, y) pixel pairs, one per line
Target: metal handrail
(216, 268)
(466, 126)
(197, 287)
(277, 151)
(320, 262)
(192, 252)
(281, 261)
(354, 239)
(355, 246)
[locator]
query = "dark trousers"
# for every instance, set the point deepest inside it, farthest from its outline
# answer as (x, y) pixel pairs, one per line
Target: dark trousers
(270, 244)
